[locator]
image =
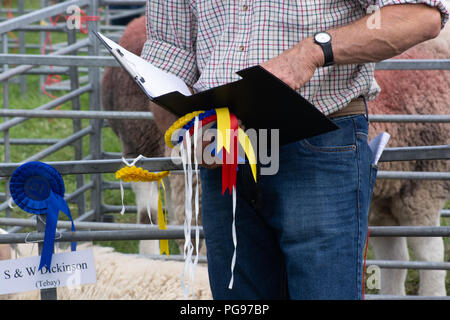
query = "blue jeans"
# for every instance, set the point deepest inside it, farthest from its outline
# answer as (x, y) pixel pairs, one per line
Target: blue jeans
(300, 233)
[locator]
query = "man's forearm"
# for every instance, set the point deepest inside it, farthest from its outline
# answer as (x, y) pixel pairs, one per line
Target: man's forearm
(400, 28)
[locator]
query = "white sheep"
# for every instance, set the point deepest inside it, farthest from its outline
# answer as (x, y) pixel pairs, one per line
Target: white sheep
(123, 276)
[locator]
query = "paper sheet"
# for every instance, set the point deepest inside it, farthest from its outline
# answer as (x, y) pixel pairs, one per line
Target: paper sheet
(378, 144)
(156, 82)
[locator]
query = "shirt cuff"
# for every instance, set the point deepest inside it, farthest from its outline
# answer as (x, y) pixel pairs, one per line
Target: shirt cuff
(172, 59)
(432, 3)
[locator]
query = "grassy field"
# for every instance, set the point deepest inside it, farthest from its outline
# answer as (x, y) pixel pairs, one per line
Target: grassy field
(60, 128)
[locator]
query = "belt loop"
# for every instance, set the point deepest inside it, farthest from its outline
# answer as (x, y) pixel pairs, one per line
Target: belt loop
(367, 109)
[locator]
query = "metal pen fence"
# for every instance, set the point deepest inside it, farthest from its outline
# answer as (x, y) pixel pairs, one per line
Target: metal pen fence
(66, 60)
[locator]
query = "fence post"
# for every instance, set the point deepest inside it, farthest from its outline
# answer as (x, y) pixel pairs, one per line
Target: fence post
(77, 125)
(95, 140)
(6, 144)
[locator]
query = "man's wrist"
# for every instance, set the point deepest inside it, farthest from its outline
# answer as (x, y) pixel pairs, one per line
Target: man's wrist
(313, 52)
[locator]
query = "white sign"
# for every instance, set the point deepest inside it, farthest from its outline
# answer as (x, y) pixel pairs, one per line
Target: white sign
(68, 269)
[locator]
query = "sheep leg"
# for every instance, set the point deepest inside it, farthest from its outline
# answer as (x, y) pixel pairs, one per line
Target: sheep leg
(146, 193)
(422, 207)
(391, 248)
(432, 282)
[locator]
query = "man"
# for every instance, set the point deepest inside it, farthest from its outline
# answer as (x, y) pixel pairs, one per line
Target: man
(301, 232)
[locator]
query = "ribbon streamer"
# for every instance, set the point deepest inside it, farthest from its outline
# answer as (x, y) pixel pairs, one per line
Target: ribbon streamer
(229, 137)
(38, 188)
(134, 174)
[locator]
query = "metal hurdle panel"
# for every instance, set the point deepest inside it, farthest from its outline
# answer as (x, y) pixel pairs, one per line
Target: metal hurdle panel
(67, 61)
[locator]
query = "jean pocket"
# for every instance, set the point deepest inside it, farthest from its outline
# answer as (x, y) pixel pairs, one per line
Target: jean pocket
(372, 179)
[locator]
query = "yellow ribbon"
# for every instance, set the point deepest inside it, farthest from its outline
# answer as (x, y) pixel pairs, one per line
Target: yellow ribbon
(162, 219)
(223, 129)
(246, 144)
(137, 174)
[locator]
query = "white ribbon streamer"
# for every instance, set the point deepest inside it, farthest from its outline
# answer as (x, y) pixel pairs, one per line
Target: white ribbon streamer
(129, 164)
(188, 247)
(196, 205)
(233, 232)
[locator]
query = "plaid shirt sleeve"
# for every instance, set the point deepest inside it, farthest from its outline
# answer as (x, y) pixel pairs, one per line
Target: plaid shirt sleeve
(171, 38)
(432, 3)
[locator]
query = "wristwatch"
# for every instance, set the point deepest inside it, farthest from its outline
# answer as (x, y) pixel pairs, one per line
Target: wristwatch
(323, 39)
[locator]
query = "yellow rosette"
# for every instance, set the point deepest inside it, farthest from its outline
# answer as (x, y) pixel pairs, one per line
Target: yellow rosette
(137, 174)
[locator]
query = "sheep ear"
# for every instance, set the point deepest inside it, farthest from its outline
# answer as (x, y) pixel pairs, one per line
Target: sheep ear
(5, 252)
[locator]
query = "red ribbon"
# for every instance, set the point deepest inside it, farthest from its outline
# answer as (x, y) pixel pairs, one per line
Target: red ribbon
(230, 158)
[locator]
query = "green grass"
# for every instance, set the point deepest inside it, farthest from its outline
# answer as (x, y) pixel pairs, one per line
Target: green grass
(58, 128)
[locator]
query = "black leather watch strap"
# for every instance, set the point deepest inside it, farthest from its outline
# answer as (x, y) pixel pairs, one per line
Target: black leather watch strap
(328, 52)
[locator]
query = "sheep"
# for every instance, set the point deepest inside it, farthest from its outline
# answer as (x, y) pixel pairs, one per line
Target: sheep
(123, 276)
(401, 202)
(412, 202)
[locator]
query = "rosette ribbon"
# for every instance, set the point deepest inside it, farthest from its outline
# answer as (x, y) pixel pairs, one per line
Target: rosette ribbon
(38, 188)
(131, 173)
(229, 137)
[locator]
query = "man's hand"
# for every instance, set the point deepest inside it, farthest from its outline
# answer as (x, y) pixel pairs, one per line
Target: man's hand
(297, 65)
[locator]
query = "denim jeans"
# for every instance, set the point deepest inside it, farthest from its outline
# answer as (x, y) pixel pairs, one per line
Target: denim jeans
(300, 233)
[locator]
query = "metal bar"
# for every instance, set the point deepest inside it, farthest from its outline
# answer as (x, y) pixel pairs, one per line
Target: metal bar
(445, 118)
(77, 125)
(172, 257)
(104, 235)
(413, 175)
(23, 68)
(99, 166)
(107, 208)
(59, 60)
(52, 104)
(416, 231)
(416, 153)
(107, 185)
(122, 2)
(95, 139)
(414, 64)
(127, 13)
(80, 225)
(79, 192)
(445, 213)
(423, 265)
(6, 146)
(178, 233)
(38, 15)
(36, 28)
(38, 113)
(393, 297)
(61, 144)
(30, 141)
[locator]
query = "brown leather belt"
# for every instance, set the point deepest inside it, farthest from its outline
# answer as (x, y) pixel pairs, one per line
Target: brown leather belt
(355, 107)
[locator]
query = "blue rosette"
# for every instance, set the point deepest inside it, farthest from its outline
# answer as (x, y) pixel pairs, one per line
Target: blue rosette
(38, 188)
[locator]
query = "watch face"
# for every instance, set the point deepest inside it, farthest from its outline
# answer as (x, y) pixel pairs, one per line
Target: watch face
(323, 37)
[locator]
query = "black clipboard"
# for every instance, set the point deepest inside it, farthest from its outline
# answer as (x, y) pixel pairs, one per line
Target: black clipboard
(260, 100)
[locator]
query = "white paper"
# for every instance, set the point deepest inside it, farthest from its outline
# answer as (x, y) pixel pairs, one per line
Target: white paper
(157, 82)
(68, 269)
(378, 144)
